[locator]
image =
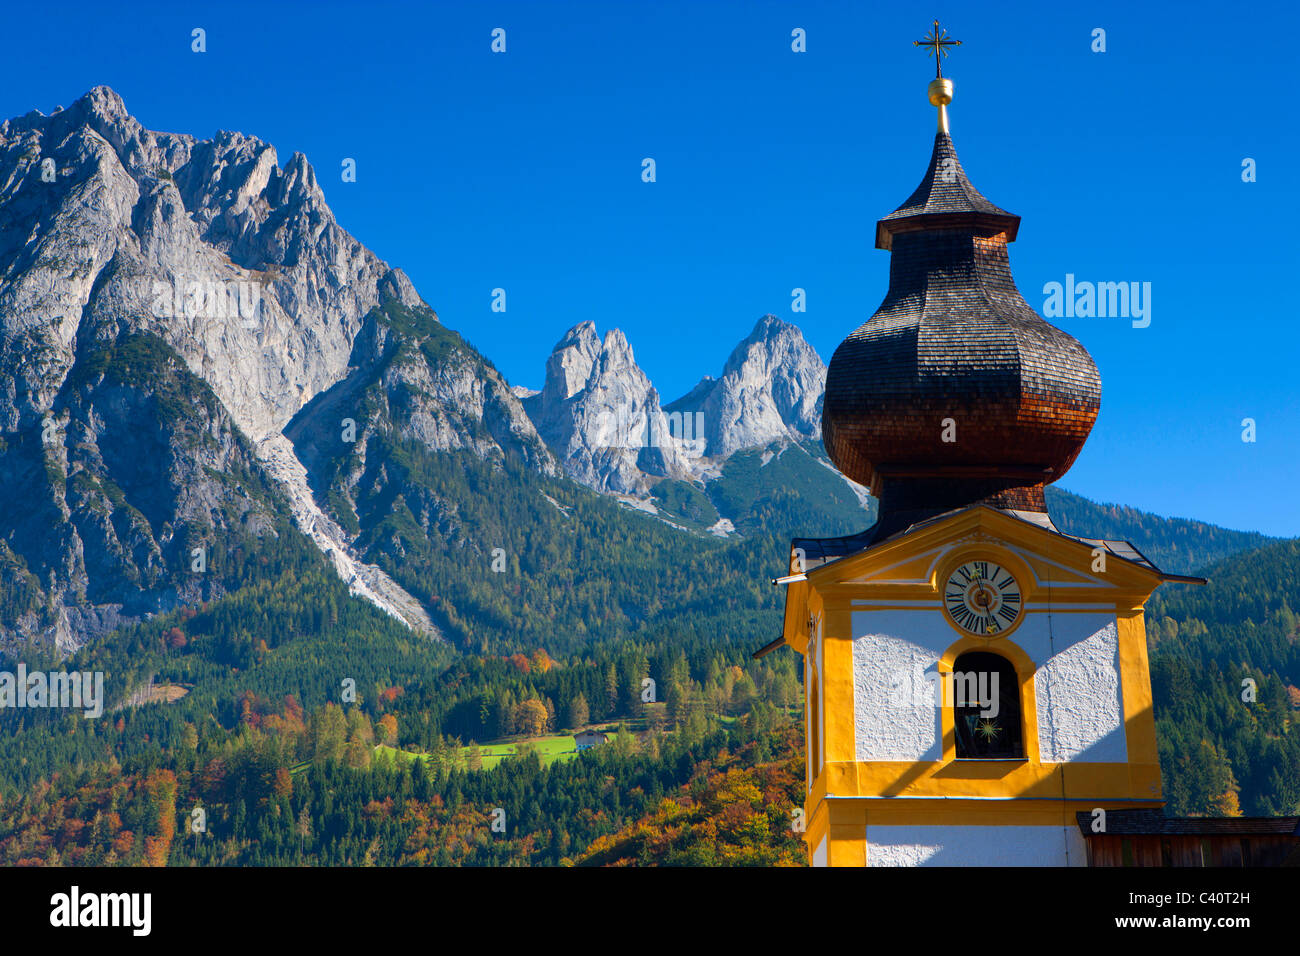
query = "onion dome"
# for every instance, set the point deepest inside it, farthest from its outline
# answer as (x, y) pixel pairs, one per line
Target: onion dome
(956, 392)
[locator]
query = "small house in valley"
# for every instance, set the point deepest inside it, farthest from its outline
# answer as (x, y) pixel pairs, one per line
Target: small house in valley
(586, 739)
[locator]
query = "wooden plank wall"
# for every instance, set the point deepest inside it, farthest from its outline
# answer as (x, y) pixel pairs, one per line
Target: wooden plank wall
(1185, 850)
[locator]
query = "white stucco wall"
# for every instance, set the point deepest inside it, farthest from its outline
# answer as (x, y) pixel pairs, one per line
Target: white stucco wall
(819, 853)
(1078, 695)
(893, 709)
(974, 846)
(1079, 706)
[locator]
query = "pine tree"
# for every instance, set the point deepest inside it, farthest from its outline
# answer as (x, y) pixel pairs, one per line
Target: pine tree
(611, 691)
(578, 714)
(474, 757)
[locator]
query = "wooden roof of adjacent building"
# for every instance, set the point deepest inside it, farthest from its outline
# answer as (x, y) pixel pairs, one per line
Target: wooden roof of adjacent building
(1155, 823)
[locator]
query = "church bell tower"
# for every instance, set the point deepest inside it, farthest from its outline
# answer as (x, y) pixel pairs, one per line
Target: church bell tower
(974, 677)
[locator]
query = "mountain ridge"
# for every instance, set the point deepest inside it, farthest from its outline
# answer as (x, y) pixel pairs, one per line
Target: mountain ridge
(112, 231)
(248, 315)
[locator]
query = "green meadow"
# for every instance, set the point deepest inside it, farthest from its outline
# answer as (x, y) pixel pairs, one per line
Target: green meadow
(549, 747)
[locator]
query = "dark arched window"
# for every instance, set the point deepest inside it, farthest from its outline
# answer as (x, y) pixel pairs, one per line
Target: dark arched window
(986, 707)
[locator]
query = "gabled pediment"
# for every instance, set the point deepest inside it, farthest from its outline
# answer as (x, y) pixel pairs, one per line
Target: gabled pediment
(1070, 569)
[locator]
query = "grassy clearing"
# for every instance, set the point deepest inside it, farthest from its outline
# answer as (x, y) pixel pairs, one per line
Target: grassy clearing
(549, 747)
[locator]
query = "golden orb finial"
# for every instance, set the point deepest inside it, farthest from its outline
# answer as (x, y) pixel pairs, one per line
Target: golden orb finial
(940, 92)
(940, 89)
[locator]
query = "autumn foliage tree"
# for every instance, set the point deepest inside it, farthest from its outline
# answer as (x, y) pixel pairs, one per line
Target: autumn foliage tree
(161, 787)
(530, 717)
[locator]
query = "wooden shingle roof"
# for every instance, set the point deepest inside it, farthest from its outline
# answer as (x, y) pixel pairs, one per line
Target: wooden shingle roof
(946, 196)
(954, 342)
(1154, 822)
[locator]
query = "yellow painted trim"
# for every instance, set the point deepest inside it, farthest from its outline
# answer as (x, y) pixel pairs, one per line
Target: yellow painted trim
(807, 730)
(847, 845)
(817, 793)
(860, 813)
(1135, 684)
(1095, 607)
(837, 683)
(817, 824)
(794, 627)
(991, 779)
(1035, 597)
(992, 528)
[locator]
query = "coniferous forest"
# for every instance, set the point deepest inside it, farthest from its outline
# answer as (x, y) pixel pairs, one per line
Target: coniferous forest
(303, 726)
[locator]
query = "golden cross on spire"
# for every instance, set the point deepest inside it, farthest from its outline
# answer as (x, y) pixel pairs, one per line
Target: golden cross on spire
(937, 42)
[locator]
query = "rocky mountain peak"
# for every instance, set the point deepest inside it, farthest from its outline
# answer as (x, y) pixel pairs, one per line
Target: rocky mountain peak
(165, 251)
(616, 353)
(770, 388)
(138, 149)
(299, 180)
(235, 262)
(570, 362)
(601, 417)
(102, 110)
(102, 101)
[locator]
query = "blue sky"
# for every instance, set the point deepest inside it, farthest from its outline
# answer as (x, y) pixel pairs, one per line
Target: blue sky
(522, 171)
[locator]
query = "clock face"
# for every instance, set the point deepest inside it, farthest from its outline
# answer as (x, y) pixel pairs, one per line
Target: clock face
(982, 597)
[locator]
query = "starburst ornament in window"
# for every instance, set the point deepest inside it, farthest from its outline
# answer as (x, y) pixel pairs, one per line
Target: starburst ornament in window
(988, 730)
